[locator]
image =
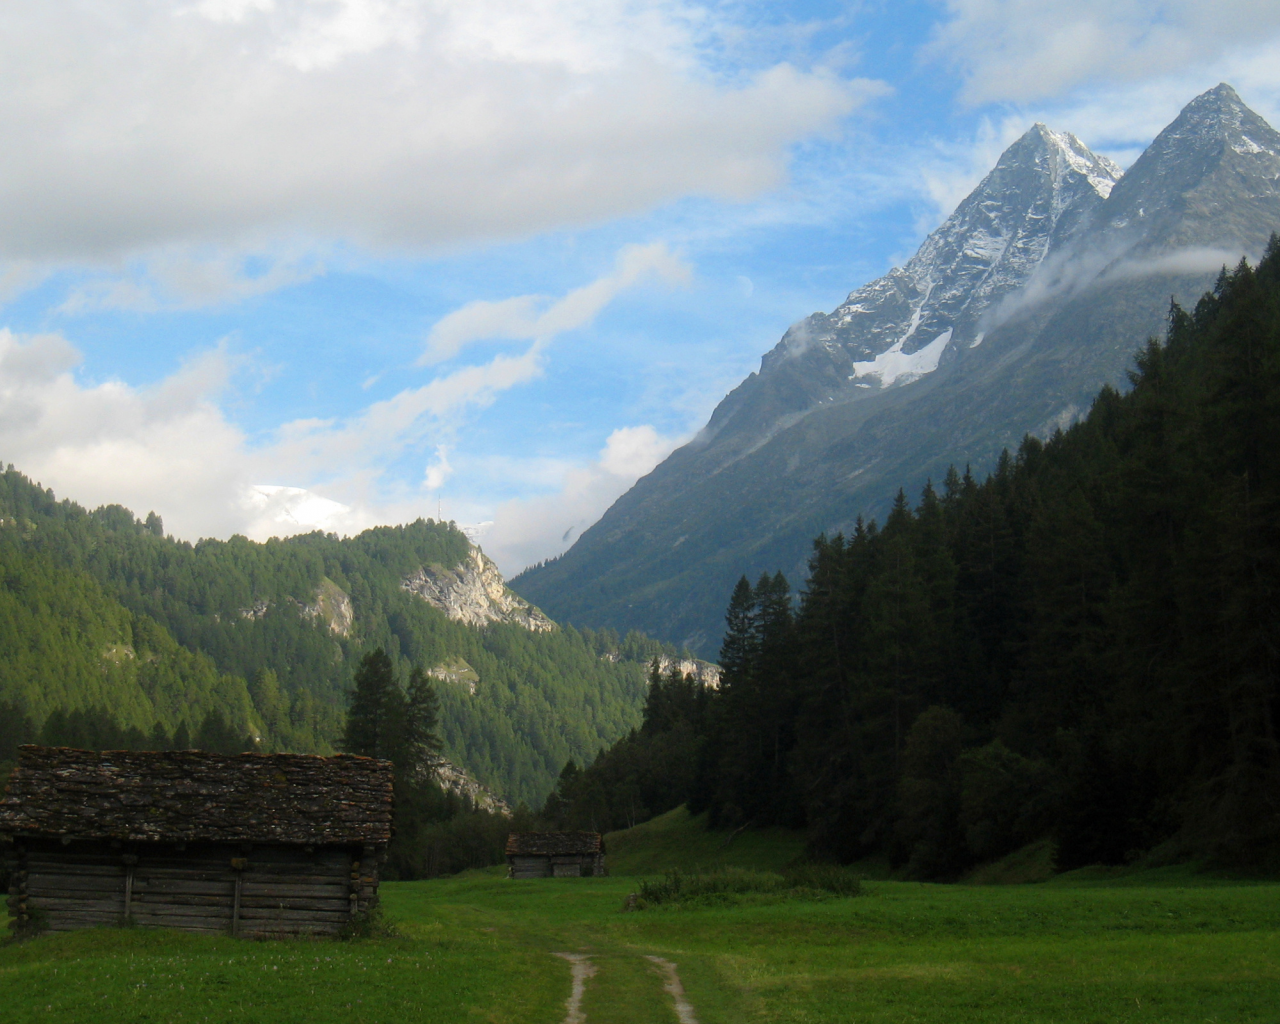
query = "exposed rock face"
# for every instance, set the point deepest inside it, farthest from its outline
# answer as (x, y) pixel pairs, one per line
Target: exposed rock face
(1031, 296)
(703, 671)
(475, 594)
(333, 607)
(257, 610)
(457, 672)
(455, 780)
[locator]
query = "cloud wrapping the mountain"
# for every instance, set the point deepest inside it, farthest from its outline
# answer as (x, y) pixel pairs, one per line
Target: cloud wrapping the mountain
(172, 449)
(110, 443)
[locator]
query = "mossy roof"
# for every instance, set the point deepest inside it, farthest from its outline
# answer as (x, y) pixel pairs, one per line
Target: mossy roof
(190, 795)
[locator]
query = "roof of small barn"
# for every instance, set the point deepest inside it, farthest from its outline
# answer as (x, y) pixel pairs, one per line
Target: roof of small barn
(188, 796)
(554, 844)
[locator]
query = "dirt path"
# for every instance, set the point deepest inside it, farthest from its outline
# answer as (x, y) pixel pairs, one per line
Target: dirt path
(583, 969)
(671, 983)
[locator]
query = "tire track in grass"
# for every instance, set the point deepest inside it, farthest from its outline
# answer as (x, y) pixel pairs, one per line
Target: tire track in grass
(671, 983)
(583, 969)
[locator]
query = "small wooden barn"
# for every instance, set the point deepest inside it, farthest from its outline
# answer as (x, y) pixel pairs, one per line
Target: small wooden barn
(250, 844)
(554, 854)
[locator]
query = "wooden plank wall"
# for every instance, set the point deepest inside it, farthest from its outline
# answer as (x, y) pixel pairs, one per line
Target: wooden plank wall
(557, 867)
(211, 888)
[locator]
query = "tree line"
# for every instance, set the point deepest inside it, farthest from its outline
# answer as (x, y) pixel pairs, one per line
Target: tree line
(1084, 646)
(104, 617)
(437, 831)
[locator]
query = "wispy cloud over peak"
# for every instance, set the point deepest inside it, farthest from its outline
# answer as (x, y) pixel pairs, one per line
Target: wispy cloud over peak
(529, 317)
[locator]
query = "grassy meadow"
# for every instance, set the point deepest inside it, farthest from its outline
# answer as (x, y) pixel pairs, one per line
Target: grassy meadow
(1091, 946)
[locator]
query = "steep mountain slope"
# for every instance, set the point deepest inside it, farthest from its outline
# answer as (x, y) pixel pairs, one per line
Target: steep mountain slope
(99, 611)
(1006, 322)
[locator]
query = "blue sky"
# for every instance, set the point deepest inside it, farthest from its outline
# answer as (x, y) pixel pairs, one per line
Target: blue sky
(268, 265)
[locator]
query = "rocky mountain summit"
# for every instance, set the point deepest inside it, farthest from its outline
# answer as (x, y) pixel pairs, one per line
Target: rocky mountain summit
(475, 594)
(1032, 295)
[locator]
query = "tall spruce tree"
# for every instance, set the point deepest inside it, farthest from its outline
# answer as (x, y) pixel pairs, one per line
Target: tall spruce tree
(376, 710)
(419, 747)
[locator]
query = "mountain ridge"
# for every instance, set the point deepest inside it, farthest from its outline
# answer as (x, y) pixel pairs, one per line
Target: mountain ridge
(106, 617)
(1048, 283)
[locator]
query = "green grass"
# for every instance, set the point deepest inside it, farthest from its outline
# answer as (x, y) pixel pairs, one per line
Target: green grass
(678, 840)
(478, 948)
(1033, 863)
(1169, 946)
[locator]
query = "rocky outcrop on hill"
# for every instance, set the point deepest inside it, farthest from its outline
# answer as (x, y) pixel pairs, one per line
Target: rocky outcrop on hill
(703, 671)
(475, 593)
(458, 782)
(457, 672)
(333, 607)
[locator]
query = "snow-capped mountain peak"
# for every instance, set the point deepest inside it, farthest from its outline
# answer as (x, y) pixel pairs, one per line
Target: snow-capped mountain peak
(902, 326)
(1070, 154)
(1217, 155)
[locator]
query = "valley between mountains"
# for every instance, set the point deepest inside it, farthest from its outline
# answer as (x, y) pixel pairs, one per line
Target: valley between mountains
(1034, 295)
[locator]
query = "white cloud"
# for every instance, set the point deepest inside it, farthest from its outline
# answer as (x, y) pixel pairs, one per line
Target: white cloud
(439, 471)
(171, 449)
(631, 452)
(384, 430)
(520, 319)
(275, 510)
(1026, 50)
(145, 124)
(528, 530)
(166, 448)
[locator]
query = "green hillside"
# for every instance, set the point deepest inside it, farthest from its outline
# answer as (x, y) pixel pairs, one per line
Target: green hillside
(680, 841)
(99, 611)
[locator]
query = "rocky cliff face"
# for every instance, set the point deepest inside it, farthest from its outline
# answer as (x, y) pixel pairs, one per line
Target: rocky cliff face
(456, 672)
(1031, 296)
(475, 594)
(703, 671)
(332, 606)
(455, 780)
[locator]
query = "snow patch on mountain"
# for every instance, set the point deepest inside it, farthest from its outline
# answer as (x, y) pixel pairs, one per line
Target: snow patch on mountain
(1042, 191)
(894, 365)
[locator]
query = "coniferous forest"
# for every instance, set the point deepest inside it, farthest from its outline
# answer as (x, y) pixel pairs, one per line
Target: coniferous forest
(1084, 646)
(113, 635)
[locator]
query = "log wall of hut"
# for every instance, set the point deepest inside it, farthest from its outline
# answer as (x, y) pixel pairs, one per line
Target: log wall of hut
(238, 889)
(555, 854)
(569, 866)
(247, 844)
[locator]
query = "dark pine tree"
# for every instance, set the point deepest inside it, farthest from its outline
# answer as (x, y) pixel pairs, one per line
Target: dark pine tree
(375, 714)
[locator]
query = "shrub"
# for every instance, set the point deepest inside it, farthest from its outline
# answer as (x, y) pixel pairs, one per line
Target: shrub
(826, 878)
(729, 885)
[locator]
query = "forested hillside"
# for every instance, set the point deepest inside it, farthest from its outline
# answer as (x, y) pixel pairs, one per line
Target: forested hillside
(1084, 647)
(102, 615)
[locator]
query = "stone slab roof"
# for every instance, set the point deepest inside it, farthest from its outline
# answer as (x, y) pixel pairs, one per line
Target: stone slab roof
(554, 844)
(190, 796)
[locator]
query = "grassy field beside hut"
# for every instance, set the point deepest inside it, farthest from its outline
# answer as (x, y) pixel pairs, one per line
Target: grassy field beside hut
(1166, 946)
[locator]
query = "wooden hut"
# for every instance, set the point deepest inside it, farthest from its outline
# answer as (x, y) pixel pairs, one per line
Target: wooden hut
(554, 854)
(250, 844)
